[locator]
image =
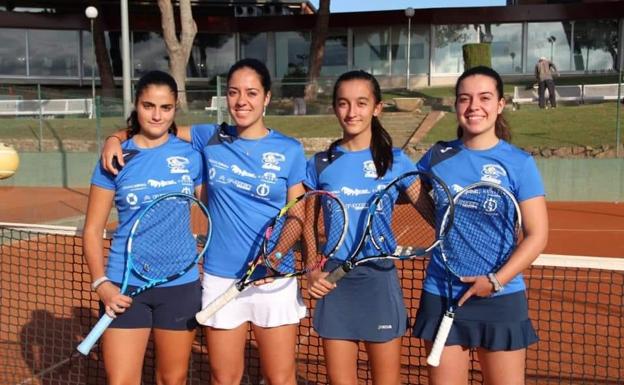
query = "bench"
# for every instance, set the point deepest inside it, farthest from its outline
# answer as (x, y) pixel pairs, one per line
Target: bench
(47, 107)
(576, 93)
(217, 103)
(598, 92)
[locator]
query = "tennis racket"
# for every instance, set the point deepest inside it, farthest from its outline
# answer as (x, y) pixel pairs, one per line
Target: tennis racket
(400, 222)
(160, 248)
(484, 232)
(316, 221)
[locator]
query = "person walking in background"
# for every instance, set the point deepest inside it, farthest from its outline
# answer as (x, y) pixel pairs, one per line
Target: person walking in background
(545, 70)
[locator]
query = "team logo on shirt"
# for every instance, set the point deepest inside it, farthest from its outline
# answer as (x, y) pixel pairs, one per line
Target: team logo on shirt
(186, 180)
(212, 172)
(132, 199)
(492, 173)
(178, 164)
(269, 177)
(263, 189)
(273, 160)
(369, 169)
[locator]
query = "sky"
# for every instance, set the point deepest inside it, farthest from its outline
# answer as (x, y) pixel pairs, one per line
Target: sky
(337, 6)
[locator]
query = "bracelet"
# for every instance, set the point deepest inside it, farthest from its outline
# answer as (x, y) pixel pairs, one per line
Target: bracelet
(113, 136)
(495, 282)
(98, 282)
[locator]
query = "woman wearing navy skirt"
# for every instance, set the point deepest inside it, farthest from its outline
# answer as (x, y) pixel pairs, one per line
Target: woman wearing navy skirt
(367, 304)
(492, 315)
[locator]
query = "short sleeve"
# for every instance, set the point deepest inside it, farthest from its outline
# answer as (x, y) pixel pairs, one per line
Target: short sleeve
(424, 164)
(201, 134)
(530, 183)
(298, 170)
(404, 163)
(102, 178)
(312, 180)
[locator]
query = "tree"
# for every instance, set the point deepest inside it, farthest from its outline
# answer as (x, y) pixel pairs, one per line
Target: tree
(179, 50)
(107, 80)
(317, 49)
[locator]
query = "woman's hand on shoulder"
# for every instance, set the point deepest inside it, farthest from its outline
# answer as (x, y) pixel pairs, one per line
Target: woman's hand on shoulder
(110, 151)
(318, 286)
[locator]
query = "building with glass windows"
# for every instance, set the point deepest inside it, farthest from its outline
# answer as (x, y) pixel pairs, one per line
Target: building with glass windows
(49, 42)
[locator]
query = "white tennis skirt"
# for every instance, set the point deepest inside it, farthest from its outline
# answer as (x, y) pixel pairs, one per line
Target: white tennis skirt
(273, 304)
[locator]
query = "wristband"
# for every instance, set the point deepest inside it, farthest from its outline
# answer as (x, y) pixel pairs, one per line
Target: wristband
(98, 282)
(495, 282)
(113, 136)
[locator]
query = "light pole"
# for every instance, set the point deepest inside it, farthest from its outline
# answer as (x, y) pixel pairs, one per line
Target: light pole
(551, 39)
(91, 13)
(409, 12)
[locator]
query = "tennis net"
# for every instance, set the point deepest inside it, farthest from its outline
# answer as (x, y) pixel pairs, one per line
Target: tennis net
(576, 304)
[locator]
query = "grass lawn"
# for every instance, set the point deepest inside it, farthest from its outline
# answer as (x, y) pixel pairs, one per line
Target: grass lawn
(591, 124)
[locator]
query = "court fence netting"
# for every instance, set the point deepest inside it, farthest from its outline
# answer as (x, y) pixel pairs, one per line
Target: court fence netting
(575, 303)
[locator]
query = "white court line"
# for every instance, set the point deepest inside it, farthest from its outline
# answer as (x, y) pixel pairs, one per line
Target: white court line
(591, 230)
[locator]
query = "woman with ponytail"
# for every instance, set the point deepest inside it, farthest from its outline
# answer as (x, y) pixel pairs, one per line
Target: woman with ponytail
(167, 311)
(367, 304)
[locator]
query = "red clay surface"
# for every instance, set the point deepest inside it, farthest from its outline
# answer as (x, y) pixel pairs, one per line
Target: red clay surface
(576, 228)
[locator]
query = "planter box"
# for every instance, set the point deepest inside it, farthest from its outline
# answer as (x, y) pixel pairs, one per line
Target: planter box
(409, 104)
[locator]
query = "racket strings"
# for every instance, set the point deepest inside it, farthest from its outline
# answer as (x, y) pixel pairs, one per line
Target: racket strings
(483, 234)
(163, 242)
(305, 235)
(404, 217)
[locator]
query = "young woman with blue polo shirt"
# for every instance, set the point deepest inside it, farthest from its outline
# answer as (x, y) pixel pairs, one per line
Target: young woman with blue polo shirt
(367, 304)
(492, 316)
(160, 164)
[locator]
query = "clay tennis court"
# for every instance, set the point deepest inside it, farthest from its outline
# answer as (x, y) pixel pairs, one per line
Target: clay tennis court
(47, 307)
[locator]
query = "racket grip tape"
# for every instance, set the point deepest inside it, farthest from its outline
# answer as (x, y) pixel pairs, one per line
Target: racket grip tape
(337, 274)
(204, 314)
(440, 340)
(94, 335)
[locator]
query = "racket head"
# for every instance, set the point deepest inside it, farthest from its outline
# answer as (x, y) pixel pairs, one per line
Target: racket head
(484, 231)
(402, 216)
(307, 231)
(161, 245)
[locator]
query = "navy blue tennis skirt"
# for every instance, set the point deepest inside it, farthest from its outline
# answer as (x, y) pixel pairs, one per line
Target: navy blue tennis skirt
(366, 305)
(493, 323)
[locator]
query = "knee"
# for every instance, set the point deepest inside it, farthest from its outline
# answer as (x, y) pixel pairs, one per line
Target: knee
(286, 378)
(225, 378)
(171, 378)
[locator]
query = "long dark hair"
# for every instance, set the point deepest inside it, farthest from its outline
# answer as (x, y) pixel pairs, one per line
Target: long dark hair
(501, 127)
(152, 78)
(255, 65)
(381, 141)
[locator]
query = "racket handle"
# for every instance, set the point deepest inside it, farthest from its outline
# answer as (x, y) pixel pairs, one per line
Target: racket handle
(204, 314)
(94, 335)
(440, 340)
(337, 274)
